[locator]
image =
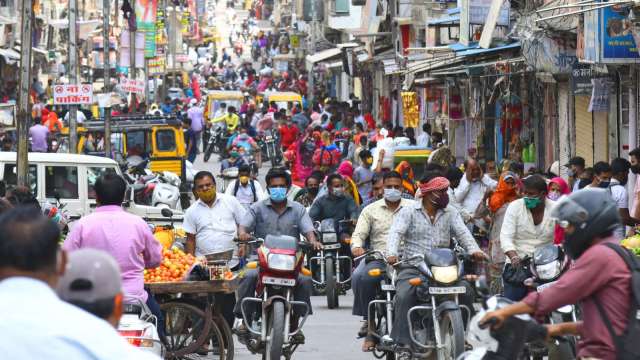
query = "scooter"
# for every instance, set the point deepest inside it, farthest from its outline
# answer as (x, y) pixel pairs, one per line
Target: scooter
(327, 266)
(548, 263)
(508, 341)
(140, 328)
(280, 261)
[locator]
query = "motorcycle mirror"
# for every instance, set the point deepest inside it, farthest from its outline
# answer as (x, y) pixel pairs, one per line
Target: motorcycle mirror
(166, 212)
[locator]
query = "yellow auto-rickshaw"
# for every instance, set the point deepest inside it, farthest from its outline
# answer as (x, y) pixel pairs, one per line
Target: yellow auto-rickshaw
(216, 97)
(283, 99)
(157, 138)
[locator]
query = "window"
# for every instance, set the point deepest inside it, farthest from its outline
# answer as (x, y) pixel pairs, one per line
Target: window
(93, 173)
(166, 140)
(341, 6)
(11, 177)
(61, 181)
(137, 144)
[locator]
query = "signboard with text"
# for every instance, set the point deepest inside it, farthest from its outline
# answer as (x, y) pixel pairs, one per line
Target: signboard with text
(73, 94)
(608, 37)
(132, 85)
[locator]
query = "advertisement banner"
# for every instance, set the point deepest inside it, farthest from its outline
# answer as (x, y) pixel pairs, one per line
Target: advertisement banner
(146, 11)
(132, 85)
(608, 37)
(73, 94)
(157, 66)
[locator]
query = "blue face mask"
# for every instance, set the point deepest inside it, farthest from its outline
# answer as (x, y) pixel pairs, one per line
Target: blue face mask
(278, 194)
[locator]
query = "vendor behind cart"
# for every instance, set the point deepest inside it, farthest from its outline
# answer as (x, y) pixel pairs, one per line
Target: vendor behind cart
(124, 236)
(211, 224)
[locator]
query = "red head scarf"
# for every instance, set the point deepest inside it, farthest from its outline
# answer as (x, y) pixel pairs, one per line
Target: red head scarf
(504, 192)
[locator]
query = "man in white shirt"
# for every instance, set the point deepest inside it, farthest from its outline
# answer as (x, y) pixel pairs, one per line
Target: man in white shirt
(527, 225)
(211, 222)
(80, 117)
(424, 139)
(473, 186)
(36, 324)
(620, 175)
(245, 189)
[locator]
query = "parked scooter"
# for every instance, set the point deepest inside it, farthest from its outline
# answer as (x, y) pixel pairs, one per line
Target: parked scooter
(328, 266)
(140, 327)
(280, 261)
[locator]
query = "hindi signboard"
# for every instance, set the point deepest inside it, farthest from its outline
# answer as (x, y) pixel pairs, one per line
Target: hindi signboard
(132, 85)
(73, 94)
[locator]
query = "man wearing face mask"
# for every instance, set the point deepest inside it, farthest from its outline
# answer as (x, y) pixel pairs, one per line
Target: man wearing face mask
(603, 174)
(424, 225)
(527, 225)
(363, 174)
(576, 167)
(620, 175)
(373, 225)
(276, 216)
(334, 204)
(245, 189)
(311, 187)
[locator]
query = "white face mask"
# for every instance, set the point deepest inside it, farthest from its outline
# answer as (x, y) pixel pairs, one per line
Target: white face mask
(392, 195)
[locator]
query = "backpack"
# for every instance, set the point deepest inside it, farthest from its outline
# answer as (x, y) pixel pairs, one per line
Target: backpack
(253, 189)
(627, 344)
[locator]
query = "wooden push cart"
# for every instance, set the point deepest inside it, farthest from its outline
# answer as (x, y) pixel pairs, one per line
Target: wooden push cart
(193, 322)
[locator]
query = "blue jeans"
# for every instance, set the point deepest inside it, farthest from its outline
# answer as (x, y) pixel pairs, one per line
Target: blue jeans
(155, 310)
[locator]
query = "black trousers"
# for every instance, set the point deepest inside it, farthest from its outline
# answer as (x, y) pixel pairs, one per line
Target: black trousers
(247, 288)
(365, 287)
(406, 298)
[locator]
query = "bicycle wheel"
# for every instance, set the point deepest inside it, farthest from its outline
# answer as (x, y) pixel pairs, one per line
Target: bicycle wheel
(221, 334)
(186, 329)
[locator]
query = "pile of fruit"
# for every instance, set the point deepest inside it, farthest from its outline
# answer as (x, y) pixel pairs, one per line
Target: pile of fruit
(175, 267)
(632, 243)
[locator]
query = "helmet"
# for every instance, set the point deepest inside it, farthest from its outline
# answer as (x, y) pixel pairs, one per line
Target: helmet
(592, 212)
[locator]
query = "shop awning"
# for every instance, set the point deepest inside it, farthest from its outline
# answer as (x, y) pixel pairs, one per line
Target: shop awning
(10, 56)
(323, 55)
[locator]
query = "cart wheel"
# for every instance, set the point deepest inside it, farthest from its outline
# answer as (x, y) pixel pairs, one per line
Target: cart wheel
(186, 329)
(221, 339)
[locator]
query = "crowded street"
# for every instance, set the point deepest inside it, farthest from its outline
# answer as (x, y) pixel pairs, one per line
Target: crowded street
(355, 179)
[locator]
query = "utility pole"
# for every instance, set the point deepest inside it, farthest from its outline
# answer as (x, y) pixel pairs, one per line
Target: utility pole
(132, 68)
(312, 50)
(73, 74)
(174, 31)
(106, 12)
(22, 118)
(146, 82)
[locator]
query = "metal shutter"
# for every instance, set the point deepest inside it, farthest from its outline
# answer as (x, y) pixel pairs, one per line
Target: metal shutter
(584, 129)
(600, 136)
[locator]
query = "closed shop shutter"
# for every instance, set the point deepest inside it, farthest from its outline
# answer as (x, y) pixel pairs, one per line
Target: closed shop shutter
(584, 129)
(600, 136)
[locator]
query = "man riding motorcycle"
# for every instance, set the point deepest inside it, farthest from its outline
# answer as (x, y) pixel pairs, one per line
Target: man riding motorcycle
(427, 224)
(589, 218)
(247, 143)
(276, 216)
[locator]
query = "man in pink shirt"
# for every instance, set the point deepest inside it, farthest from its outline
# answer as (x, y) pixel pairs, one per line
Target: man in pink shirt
(124, 236)
(588, 218)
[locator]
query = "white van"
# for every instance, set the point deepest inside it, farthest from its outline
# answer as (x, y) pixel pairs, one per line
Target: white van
(71, 177)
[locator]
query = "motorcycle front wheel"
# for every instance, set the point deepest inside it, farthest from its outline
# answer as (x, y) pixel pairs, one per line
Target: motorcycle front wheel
(332, 286)
(273, 157)
(452, 334)
(273, 349)
(207, 153)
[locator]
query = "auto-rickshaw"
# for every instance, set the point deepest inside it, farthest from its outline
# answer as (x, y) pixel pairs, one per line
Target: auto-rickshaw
(157, 138)
(416, 156)
(216, 97)
(283, 99)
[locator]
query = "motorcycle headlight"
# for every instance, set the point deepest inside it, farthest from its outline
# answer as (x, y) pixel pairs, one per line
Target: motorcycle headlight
(445, 274)
(548, 271)
(281, 262)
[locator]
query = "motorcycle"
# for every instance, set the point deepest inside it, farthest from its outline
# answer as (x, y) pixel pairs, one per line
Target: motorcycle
(436, 323)
(508, 341)
(140, 328)
(548, 263)
(228, 175)
(269, 144)
(329, 263)
(216, 140)
(380, 310)
(280, 261)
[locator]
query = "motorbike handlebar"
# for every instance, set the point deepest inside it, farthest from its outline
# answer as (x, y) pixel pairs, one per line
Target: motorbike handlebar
(414, 257)
(489, 323)
(369, 253)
